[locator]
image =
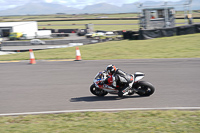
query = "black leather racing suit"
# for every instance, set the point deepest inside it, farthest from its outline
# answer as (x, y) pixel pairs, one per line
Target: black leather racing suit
(122, 79)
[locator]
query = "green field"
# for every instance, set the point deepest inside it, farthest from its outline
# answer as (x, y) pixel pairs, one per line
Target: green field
(89, 21)
(103, 122)
(185, 46)
(107, 25)
(96, 27)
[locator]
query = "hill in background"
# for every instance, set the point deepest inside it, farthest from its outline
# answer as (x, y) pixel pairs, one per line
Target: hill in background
(49, 8)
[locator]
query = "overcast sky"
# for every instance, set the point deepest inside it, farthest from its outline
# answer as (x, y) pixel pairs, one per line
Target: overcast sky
(71, 3)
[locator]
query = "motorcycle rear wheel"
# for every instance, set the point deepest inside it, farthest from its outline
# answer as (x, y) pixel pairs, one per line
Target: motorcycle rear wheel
(96, 91)
(145, 88)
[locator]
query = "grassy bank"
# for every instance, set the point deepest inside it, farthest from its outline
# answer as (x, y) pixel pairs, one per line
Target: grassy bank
(186, 46)
(99, 122)
(96, 27)
(107, 25)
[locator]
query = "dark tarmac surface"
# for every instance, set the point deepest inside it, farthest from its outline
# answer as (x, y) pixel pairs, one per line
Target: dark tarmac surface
(64, 85)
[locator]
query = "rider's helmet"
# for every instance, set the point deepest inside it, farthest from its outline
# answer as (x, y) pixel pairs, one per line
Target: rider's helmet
(111, 69)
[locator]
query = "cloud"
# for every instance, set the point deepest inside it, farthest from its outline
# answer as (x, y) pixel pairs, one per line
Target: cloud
(48, 1)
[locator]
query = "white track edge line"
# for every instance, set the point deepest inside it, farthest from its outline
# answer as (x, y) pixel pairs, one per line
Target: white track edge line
(100, 110)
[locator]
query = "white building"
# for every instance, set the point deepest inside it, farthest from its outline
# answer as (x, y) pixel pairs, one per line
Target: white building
(29, 28)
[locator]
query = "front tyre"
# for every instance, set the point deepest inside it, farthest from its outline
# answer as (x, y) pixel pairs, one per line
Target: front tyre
(96, 91)
(145, 88)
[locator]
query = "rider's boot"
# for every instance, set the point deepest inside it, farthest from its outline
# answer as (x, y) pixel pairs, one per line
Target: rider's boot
(125, 90)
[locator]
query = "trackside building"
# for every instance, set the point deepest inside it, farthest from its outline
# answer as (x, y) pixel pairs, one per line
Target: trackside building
(28, 28)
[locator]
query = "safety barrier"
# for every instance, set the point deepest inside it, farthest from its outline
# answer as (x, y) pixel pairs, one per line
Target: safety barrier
(183, 30)
(47, 42)
(164, 32)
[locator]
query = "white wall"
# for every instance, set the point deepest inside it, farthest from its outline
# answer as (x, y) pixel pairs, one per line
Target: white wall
(43, 34)
(29, 28)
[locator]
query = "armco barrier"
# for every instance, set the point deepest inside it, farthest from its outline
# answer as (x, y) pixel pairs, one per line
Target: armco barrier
(48, 42)
(16, 43)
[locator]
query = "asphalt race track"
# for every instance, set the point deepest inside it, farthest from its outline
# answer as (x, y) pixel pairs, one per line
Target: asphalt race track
(64, 85)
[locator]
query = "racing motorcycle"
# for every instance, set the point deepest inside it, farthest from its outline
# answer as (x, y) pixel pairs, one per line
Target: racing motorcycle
(142, 88)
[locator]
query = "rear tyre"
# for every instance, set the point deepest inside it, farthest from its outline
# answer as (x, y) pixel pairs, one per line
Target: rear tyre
(145, 88)
(96, 91)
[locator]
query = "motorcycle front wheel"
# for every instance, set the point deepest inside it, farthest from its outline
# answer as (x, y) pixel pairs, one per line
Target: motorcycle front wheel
(145, 88)
(96, 91)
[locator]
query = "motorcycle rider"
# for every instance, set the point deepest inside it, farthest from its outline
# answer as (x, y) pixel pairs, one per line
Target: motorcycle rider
(121, 79)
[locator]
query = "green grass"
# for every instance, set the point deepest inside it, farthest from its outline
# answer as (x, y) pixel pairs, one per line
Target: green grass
(90, 21)
(173, 121)
(116, 27)
(185, 46)
(96, 27)
(81, 24)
